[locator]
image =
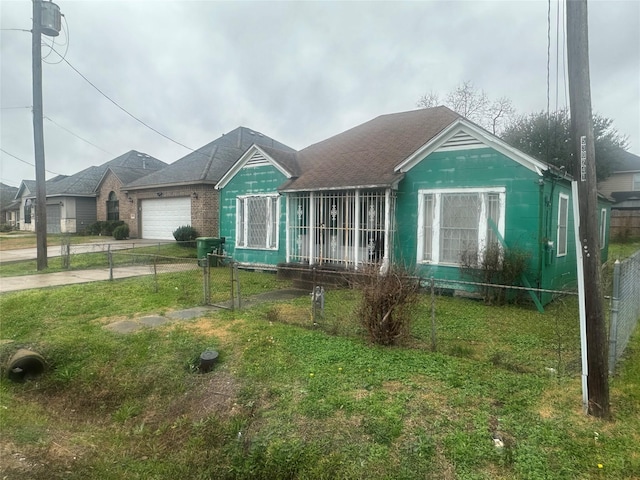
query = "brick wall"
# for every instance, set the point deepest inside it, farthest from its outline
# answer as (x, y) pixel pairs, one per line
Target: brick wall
(204, 207)
(111, 183)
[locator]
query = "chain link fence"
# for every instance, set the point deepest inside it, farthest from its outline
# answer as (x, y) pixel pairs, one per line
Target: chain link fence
(625, 306)
(499, 323)
(464, 319)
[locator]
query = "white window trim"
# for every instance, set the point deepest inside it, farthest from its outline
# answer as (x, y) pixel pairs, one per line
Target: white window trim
(435, 229)
(603, 227)
(560, 246)
(271, 222)
(635, 182)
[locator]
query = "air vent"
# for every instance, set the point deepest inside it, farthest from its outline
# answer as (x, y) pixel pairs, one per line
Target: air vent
(257, 160)
(461, 141)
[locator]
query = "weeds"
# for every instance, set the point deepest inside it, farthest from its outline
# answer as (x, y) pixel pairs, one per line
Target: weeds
(130, 406)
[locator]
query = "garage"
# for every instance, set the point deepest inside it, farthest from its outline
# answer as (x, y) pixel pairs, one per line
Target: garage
(160, 217)
(53, 218)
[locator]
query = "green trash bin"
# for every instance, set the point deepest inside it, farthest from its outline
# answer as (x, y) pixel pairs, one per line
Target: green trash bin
(207, 245)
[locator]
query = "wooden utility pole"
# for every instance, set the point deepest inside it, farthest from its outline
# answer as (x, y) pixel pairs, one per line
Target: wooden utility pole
(38, 138)
(585, 175)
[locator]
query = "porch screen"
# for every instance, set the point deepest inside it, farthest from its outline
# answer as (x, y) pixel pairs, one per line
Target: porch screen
(257, 222)
(458, 221)
(341, 228)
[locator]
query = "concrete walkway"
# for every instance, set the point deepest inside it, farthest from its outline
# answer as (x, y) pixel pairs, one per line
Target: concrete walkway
(22, 254)
(70, 277)
(42, 280)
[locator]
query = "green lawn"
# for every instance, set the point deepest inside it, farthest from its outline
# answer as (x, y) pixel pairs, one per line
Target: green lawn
(287, 401)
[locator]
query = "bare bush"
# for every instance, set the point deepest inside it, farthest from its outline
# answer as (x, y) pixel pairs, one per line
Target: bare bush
(496, 268)
(386, 303)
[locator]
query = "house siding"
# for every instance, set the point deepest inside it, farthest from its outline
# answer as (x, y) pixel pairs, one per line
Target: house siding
(127, 209)
(204, 207)
(618, 182)
(85, 213)
(527, 225)
(248, 181)
(469, 169)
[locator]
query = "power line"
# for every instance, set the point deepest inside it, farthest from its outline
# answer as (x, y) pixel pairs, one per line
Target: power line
(63, 128)
(76, 135)
(24, 161)
(120, 107)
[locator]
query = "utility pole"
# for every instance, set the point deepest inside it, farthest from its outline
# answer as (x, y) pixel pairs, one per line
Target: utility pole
(46, 21)
(585, 175)
(38, 138)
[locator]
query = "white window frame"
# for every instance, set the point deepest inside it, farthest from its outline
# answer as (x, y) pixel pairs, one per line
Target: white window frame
(603, 227)
(272, 239)
(562, 243)
(437, 212)
(635, 182)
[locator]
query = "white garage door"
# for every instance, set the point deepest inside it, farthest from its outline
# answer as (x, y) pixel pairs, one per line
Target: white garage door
(160, 217)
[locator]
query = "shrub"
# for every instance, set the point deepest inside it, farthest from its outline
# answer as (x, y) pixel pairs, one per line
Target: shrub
(386, 304)
(496, 266)
(186, 233)
(103, 227)
(5, 227)
(121, 232)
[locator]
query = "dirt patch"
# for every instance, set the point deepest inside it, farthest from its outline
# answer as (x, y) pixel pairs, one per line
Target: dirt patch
(211, 393)
(210, 327)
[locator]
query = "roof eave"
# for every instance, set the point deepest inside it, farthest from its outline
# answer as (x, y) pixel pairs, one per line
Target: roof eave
(488, 139)
(130, 188)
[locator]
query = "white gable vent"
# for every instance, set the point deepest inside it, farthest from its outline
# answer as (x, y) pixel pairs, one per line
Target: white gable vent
(257, 160)
(461, 141)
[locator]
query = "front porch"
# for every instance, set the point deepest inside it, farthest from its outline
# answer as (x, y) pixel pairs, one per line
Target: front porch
(342, 228)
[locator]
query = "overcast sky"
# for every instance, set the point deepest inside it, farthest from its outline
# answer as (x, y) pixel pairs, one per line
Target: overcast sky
(296, 71)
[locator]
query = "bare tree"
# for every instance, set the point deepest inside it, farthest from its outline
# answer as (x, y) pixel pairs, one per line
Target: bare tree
(475, 105)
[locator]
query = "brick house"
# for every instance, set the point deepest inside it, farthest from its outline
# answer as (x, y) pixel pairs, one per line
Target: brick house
(183, 193)
(74, 202)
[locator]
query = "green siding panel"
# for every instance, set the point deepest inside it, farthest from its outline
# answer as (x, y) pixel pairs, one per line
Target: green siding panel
(252, 180)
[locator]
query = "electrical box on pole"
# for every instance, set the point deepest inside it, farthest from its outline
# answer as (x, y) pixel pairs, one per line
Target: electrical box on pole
(50, 20)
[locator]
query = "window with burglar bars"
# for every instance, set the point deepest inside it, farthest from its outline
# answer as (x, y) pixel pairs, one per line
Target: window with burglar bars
(344, 228)
(257, 221)
(459, 220)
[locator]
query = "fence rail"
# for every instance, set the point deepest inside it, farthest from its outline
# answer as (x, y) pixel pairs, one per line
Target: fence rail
(332, 297)
(625, 306)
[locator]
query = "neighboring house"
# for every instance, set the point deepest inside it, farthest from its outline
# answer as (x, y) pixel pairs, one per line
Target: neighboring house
(9, 206)
(623, 186)
(418, 188)
(26, 198)
(183, 193)
(71, 200)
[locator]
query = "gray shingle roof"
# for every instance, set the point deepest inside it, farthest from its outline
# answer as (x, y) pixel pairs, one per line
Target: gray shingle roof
(367, 154)
(85, 182)
(628, 162)
(7, 195)
(208, 163)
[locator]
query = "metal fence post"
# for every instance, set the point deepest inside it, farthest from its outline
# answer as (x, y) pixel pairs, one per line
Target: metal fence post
(615, 306)
(235, 279)
(155, 272)
(65, 247)
(314, 318)
(110, 258)
(206, 271)
(433, 315)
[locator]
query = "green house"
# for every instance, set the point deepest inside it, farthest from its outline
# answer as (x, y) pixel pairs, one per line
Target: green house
(423, 188)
